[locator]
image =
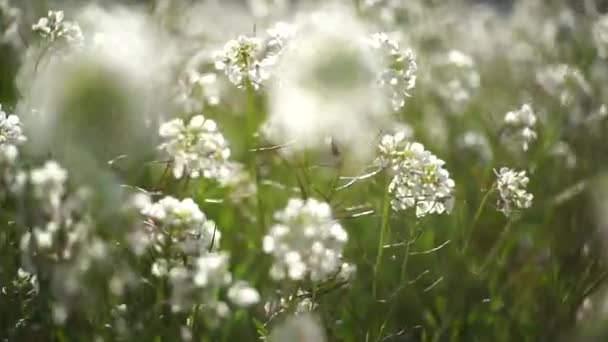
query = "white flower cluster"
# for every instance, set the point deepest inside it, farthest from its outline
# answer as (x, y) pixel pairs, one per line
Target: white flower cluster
(419, 179)
(398, 76)
(250, 59)
(197, 148)
(242, 61)
(64, 226)
(511, 187)
(305, 242)
(53, 28)
(9, 23)
(185, 241)
(195, 91)
(565, 82)
(456, 79)
(520, 126)
(181, 226)
(11, 136)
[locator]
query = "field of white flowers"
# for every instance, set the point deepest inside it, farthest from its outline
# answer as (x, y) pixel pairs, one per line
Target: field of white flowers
(283, 170)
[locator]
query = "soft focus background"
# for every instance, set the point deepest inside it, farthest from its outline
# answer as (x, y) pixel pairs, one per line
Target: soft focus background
(471, 275)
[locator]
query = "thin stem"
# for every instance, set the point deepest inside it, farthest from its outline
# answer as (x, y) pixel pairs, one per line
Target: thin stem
(408, 245)
(251, 115)
(477, 216)
(386, 210)
(501, 239)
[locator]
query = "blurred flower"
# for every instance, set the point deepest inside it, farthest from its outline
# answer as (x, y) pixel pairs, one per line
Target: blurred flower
(11, 136)
(511, 187)
(48, 183)
(9, 24)
(520, 126)
(419, 179)
(398, 77)
(53, 28)
(477, 143)
(197, 148)
(299, 328)
(327, 86)
(242, 61)
(306, 241)
(183, 223)
(195, 91)
(243, 295)
(211, 269)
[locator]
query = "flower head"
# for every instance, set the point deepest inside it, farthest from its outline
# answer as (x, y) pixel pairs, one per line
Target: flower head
(53, 27)
(511, 187)
(419, 179)
(398, 77)
(305, 242)
(520, 126)
(197, 148)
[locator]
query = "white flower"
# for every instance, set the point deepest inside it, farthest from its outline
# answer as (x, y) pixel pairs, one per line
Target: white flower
(195, 91)
(211, 270)
(327, 86)
(511, 187)
(10, 129)
(242, 61)
(419, 177)
(281, 37)
(520, 125)
(305, 242)
(197, 148)
(11, 136)
(53, 28)
(48, 183)
(185, 223)
(398, 76)
(243, 295)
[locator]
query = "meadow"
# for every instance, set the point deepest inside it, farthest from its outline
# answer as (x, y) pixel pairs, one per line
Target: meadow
(283, 170)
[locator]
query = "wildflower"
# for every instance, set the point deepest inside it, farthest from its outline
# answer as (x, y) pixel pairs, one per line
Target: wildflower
(241, 294)
(328, 86)
(196, 90)
(211, 269)
(520, 125)
(511, 187)
(197, 148)
(455, 79)
(48, 183)
(53, 28)
(298, 328)
(305, 242)
(419, 179)
(281, 37)
(398, 77)
(11, 136)
(188, 228)
(242, 61)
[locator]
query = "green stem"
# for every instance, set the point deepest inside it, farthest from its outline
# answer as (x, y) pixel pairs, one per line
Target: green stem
(251, 131)
(386, 210)
(408, 245)
(476, 218)
(503, 235)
